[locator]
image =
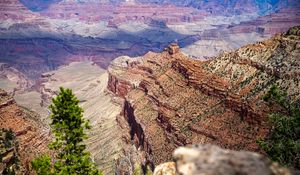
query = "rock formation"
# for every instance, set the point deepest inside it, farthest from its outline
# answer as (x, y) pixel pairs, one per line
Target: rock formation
(67, 31)
(31, 135)
(12, 80)
(171, 100)
(212, 160)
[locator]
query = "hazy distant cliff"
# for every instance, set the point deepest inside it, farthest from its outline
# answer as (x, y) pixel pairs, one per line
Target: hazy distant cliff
(231, 7)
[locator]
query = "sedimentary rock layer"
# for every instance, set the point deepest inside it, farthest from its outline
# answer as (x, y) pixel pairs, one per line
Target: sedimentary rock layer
(171, 100)
(31, 135)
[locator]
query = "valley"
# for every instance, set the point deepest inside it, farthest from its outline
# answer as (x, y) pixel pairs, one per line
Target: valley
(151, 75)
(34, 42)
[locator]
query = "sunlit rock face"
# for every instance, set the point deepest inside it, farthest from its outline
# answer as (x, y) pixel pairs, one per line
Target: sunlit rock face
(171, 100)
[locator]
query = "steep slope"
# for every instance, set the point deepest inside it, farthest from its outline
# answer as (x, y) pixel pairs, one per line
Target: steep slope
(171, 100)
(31, 135)
(88, 82)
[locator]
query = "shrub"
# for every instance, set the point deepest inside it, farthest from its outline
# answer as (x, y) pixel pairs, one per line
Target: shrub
(283, 143)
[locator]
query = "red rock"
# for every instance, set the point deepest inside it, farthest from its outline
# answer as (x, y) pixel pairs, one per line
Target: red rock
(180, 101)
(30, 133)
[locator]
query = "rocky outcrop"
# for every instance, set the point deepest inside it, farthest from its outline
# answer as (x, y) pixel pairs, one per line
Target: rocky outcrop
(172, 100)
(11, 80)
(213, 160)
(32, 136)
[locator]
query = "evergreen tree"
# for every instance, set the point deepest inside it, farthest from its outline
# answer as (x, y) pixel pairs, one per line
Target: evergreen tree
(68, 127)
(283, 143)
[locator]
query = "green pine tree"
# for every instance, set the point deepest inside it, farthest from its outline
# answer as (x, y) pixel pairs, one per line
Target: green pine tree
(68, 127)
(283, 143)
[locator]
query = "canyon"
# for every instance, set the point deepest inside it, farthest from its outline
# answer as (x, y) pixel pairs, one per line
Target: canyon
(88, 83)
(171, 100)
(151, 75)
(38, 41)
(142, 108)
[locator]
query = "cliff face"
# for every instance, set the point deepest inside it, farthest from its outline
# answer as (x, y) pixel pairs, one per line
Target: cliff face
(171, 100)
(31, 135)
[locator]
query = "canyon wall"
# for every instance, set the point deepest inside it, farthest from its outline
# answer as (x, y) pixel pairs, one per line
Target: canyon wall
(171, 100)
(31, 134)
(41, 40)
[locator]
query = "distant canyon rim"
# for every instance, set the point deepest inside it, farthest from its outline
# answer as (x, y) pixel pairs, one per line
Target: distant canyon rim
(39, 40)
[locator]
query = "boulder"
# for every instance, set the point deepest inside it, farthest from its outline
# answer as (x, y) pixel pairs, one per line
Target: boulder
(213, 160)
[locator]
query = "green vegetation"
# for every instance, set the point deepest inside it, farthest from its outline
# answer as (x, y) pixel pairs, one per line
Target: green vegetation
(9, 157)
(283, 143)
(139, 171)
(9, 138)
(68, 126)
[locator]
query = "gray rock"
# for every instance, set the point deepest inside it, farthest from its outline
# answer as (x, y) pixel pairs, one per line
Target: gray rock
(212, 160)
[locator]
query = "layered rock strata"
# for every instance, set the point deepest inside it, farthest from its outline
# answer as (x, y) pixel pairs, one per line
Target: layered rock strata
(31, 135)
(171, 100)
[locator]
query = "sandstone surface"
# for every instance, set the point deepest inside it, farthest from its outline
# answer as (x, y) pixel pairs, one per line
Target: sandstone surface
(171, 100)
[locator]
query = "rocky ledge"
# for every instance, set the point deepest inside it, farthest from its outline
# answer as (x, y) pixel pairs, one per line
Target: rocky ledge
(171, 100)
(213, 160)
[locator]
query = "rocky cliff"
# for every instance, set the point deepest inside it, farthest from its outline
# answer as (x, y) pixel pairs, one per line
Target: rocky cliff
(32, 136)
(172, 100)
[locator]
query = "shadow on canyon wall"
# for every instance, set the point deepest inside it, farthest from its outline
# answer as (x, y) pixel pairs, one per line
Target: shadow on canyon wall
(38, 52)
(38, 5)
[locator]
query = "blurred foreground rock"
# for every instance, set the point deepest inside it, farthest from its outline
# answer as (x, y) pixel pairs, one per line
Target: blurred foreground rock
(213, 160)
